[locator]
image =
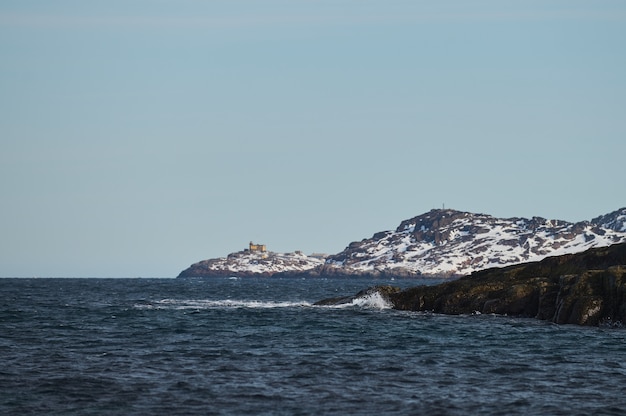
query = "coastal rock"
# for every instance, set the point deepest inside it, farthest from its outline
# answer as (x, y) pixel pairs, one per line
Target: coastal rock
(587, 288)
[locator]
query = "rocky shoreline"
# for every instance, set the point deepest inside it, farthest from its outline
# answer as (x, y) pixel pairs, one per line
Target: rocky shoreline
(587, 288)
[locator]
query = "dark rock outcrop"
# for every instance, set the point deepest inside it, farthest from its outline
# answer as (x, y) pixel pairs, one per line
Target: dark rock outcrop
(586, 288)
(615, 220)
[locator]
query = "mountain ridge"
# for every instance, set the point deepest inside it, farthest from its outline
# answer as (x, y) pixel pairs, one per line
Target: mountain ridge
(446, 242)
(441, 242)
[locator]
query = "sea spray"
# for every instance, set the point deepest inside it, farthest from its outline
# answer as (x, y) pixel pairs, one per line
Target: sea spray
(377, 297)
(372, 301)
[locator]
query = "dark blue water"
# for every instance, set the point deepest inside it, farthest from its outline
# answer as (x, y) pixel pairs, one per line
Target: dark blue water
(257, 346)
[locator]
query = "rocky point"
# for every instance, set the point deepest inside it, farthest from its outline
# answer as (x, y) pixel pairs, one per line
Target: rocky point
(586, 288)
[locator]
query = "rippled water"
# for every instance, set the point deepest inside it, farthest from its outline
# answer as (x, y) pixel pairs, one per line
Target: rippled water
(258, 346)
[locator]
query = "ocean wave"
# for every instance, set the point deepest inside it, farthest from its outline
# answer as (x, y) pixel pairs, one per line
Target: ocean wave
(372, 300)
(369, 301)
(182, 304)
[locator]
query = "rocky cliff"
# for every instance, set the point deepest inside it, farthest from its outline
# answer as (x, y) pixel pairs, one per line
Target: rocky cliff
(586, 288)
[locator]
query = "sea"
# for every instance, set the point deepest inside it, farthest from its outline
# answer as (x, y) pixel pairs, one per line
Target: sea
(259, 346)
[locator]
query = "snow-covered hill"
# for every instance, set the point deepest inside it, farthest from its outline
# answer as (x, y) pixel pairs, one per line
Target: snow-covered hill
(254, 263)
(449, 242)
(440, 242)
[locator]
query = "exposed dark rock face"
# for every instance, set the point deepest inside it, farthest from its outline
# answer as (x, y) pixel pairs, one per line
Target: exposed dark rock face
(587, 288)
(615, 220)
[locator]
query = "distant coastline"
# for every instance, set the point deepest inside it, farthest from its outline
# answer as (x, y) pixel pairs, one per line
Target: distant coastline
(440, 243)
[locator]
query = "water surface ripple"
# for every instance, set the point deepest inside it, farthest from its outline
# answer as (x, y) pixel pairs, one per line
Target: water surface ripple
(255, 346)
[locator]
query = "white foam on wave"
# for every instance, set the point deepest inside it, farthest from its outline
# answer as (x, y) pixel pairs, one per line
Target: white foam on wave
(372, 301)
(369, 301)
(182, 304)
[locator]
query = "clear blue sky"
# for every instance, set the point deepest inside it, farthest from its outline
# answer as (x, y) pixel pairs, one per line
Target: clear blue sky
(138, 137)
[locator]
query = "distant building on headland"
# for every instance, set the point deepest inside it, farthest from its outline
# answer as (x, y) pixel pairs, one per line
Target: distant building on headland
(261, 248)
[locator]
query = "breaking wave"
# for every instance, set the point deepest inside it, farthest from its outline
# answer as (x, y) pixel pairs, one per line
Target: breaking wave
(372, 301)
(369, 301)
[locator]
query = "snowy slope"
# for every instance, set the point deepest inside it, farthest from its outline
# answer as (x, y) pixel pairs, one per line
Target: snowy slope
(449, 242)
(249, 263)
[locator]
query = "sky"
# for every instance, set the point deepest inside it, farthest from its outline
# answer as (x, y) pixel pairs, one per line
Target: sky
(138, 137)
